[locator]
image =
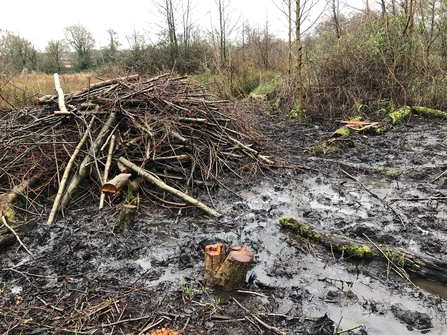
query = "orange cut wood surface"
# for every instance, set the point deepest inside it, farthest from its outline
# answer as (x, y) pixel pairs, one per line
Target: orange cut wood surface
(164, 331)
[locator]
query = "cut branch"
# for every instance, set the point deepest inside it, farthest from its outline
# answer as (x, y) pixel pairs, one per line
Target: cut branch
(160, 184)
(60, 94)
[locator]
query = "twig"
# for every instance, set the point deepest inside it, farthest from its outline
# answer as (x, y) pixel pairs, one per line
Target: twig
(126, 320)
(160, 184)
(440, 176)
(262, 323)
(385, 204)
(15, 234)
(398, 269)
(153, 325)
(107, 168)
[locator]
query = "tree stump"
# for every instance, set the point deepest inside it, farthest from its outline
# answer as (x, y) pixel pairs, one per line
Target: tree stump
(227, 272)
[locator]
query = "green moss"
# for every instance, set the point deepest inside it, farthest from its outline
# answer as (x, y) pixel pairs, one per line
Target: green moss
(294, 225)
(392, 174)
(428, 112)
(299, 227)
(10, 215)
(399, 115)
(357, 251)
(341, 132)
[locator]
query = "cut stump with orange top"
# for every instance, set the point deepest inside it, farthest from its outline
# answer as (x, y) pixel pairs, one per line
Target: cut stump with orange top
(227, 271)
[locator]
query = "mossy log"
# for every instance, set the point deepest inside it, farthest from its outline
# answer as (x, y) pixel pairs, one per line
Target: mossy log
(429, 112)
(399, 115)
(414, 263)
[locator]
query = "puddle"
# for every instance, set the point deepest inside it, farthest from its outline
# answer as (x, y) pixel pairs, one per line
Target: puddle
(431, 287)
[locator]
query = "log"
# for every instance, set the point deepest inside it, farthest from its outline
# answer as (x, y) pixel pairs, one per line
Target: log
(415, 263)
(214, 257)
(107, 167)
(233, 271)
(116, 184)
(150, 177)
(45, 99)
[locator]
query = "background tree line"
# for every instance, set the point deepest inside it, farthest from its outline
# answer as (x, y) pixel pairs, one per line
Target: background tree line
(395, 53)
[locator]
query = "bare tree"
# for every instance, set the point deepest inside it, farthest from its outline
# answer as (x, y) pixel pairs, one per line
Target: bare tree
(17, 51)
(336, 15)
(82, 42)
(110, 52)
(297, 12)
(167, 10)
(55, 50)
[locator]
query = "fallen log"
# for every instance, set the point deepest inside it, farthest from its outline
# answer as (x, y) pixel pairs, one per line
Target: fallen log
(160, 184)
(415, 263)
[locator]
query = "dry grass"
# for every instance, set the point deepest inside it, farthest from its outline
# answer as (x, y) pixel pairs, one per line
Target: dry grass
(19, 91)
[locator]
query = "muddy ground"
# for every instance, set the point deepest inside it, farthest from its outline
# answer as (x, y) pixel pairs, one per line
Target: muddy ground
(84, 278)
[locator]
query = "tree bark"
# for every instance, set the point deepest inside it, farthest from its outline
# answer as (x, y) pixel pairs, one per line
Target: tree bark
(231, 274)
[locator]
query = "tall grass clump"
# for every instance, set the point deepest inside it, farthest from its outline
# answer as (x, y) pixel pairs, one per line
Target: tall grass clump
(20, 90)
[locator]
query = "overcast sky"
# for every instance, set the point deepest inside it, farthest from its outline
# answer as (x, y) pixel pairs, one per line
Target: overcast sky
(45, 20)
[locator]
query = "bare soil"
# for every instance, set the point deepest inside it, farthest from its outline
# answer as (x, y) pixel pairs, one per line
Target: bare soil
(84, 278)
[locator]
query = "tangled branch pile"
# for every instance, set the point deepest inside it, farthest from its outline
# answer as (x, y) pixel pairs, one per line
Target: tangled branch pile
(166, 126)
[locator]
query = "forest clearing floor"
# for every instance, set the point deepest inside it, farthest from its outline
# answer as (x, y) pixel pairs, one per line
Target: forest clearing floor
(84, 278)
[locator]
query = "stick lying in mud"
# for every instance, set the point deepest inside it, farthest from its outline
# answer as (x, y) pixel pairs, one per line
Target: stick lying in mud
(273, 329)
(160, 184)
(385, 204)
(417, 264)
(15, 234)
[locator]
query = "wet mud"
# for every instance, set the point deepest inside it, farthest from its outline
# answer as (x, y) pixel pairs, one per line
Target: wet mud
(86, 278)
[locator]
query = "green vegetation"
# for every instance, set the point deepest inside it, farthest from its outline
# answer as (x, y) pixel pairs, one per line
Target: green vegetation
(337, 329)
(398, 116)
(188, 289)
(392, 174)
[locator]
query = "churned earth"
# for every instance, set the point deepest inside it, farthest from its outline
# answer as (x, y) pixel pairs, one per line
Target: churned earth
(84, 278)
